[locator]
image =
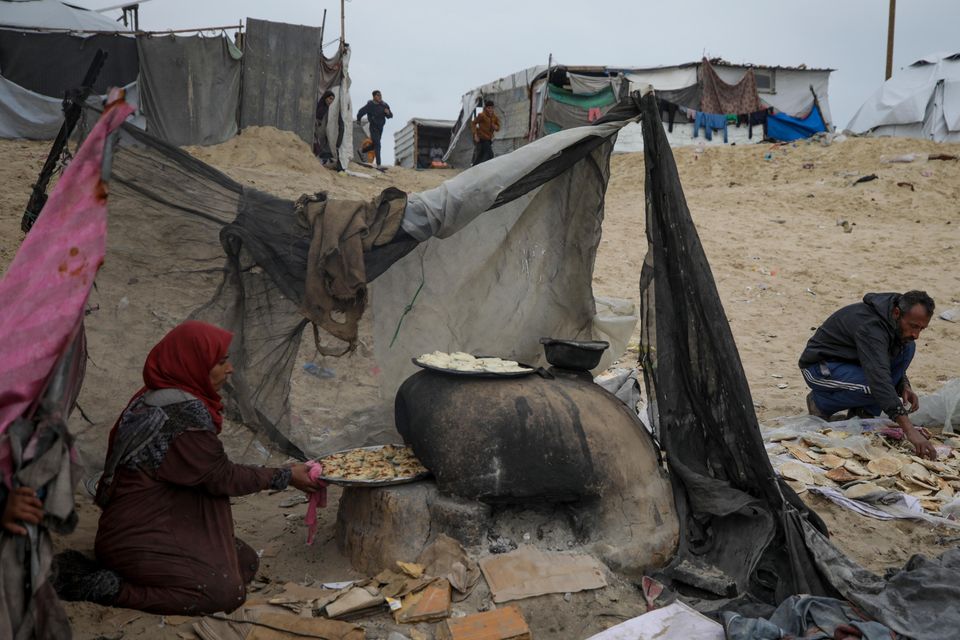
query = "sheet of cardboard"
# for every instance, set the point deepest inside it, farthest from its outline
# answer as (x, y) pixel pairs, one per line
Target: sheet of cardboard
(529, 572)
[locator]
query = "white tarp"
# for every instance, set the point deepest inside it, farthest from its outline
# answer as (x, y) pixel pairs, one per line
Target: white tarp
(54, 15)
(663, 78)
(29, 115)
(921, 100)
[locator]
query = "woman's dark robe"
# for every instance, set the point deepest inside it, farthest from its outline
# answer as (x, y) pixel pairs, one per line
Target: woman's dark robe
(166, 527)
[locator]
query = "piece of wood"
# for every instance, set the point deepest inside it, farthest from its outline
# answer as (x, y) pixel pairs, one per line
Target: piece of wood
(505, 623)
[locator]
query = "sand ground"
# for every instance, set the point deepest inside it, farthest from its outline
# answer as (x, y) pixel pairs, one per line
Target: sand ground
(768, 218)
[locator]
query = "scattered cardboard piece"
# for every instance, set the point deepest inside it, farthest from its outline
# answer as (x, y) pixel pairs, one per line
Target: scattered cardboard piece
(291, 627)
(529, 572)
(505, 623)
(353, 599)
(176, 621)
(446, 558)
(411, 568)
(427, 605)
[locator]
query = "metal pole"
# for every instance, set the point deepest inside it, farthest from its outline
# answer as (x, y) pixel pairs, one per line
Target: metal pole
(343, 36)
(890, 25)
(323, 28)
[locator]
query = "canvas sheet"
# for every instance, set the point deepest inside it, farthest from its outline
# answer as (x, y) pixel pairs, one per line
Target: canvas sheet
(29, 115)
(532, 256)
(665, 79)
(190, 87)
(281, 77)
(588, 85)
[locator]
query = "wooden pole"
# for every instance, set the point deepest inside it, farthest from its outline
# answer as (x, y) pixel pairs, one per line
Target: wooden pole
(890, 29)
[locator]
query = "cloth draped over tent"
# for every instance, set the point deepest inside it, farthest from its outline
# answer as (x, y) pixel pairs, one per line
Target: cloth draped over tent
(565, 110)
(339, 127)
(589, 85)
(786, 128)
(720, 97)
(42, 361)
(190, 88)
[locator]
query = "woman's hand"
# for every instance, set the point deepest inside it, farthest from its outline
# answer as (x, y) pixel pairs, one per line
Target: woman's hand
(22, 505)
(301, 478)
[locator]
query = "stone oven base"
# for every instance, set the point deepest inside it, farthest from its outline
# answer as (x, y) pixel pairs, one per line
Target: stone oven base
(377, 527)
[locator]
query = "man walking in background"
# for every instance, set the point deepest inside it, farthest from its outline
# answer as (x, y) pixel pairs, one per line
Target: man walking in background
(858, 359)
(377, 112)
(484, 127)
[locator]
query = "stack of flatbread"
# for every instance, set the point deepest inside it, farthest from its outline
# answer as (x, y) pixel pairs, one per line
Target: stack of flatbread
(882, 465)
(460, 361)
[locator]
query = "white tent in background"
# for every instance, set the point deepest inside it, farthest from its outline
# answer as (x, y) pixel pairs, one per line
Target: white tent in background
(922, 100)
(53, 15)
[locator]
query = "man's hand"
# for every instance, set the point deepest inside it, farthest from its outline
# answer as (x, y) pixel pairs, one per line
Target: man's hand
(911, 398)
(922, 445)
(916, 438)
(23, 505)
(301, 479)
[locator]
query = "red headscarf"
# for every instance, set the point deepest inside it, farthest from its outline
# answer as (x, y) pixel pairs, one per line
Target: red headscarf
(183, 360)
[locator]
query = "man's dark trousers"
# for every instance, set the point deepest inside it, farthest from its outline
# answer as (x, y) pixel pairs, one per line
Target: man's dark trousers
(484, 151)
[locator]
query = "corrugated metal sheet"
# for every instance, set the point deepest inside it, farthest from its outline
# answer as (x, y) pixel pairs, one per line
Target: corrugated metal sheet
(281, 76)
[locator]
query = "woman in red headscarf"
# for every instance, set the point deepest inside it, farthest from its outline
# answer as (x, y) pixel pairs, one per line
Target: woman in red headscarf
(165, 541)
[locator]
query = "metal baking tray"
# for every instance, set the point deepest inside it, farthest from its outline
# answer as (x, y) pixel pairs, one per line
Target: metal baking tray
(370, 483)
(477, 374)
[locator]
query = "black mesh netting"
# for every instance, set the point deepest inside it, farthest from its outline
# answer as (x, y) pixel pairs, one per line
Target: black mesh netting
(740, 527)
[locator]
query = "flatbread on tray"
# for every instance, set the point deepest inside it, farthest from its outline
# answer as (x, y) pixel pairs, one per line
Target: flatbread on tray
(378, 464)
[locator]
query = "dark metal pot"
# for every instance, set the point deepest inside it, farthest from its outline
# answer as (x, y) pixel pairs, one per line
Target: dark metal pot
(579, 355)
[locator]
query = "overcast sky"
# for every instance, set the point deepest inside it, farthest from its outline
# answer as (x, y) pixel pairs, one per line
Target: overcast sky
(424, 54)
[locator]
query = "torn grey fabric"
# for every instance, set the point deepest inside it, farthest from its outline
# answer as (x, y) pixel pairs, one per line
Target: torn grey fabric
(919, 601)
(190, 88)
(804, 618)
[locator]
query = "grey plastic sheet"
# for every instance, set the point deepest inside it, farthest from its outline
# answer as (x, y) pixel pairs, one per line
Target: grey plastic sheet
(190, 88)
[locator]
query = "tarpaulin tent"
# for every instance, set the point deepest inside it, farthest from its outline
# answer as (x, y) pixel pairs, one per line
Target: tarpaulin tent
(921, 100)
(46, 47)
(527, 110)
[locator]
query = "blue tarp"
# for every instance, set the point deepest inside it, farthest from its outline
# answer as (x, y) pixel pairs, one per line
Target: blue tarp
(787, 128)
